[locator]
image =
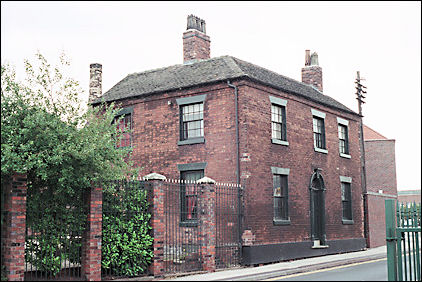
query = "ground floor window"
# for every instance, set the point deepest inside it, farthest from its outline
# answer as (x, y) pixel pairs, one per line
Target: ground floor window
(346, 199)
(280, 195)
(189, 194)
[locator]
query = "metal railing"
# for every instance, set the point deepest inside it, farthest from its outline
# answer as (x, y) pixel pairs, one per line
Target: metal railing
(403, 235)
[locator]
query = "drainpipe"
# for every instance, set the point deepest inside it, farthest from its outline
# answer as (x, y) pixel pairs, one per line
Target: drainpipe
(236, 106)
(239, 191)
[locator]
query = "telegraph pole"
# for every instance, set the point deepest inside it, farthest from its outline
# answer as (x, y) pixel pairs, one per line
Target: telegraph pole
(359, 93)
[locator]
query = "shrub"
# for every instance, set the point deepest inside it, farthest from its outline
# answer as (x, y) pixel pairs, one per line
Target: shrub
(127, 243)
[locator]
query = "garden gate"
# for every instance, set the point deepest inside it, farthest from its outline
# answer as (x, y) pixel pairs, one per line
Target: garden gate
(403, 231)
(183, 206)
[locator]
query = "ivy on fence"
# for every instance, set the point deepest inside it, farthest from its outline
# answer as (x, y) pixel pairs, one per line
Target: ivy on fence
(126, 242)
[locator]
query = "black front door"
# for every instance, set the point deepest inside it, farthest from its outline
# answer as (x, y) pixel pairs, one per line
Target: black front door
(317, 189)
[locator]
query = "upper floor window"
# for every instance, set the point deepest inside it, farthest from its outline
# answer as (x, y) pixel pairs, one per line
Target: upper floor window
(318, 121)
(343, 137)
(124, 125)
(278, 121)
(278, 124)
(191, 119)
(319, 133)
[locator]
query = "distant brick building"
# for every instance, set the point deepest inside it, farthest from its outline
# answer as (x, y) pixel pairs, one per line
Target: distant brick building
(409, 196)
(381, 182)
(295, 150)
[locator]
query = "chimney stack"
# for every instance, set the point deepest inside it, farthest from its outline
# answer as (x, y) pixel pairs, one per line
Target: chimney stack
(196, 44)
(95, 81)
(312, 72)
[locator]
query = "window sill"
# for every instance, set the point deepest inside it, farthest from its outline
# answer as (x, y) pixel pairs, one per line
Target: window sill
(196, 140)
(345, 156)
(281, 221)
(192, 223)
(347, 221)
(280, 142)
(325, 151)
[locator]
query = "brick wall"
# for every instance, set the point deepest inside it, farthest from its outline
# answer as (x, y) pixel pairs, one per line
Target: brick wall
(381, 166)
(91, 246)
(156, 132)
(381, 182)
(196, 45)
(13, 227)
(312, 75)
(300, 157)
(376, 220)
(415, 196)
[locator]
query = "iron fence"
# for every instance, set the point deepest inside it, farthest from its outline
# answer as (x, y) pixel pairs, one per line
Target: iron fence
(181, 246)
(53, 241)
(403, 227)
(228, 245)
(182, 251)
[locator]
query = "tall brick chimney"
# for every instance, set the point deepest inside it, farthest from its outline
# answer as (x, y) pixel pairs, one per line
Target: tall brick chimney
(196, 44)
(312, 72)
(95, 81)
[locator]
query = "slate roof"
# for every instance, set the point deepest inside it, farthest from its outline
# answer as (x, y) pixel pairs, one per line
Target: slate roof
(209, 71)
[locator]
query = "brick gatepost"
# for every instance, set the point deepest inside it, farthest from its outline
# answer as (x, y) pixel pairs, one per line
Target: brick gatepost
(206, 218)
(91, 245)
(13, 229)
(158, 225)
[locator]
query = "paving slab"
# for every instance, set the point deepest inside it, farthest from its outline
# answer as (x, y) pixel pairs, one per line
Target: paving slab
(288, 267)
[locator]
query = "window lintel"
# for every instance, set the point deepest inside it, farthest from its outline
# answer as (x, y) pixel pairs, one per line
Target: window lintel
(279, 170)
(318, 113)
(191, 100)
(278, 101)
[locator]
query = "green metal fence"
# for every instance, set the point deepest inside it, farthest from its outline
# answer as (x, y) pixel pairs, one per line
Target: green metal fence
(403, 235)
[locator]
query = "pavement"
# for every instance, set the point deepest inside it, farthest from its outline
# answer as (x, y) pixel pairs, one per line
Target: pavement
(285, 268)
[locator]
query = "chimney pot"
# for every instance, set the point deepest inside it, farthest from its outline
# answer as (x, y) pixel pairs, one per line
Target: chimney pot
(307, 57)
(196, 44)
(314, 59)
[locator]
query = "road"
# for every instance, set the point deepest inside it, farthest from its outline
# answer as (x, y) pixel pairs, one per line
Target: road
(375, 270)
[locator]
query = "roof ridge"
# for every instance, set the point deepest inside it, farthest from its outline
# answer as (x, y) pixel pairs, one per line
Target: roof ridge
(177, 65)
(282, 75)
(231, 63)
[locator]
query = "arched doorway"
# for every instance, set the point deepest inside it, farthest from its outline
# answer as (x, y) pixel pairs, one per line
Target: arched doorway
(317, 190)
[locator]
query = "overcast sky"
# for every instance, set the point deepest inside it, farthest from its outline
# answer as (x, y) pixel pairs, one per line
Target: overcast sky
(382, 40)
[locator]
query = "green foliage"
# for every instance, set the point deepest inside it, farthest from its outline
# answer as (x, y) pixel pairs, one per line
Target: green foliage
(3, 273)
(63, 148)
(126, 244)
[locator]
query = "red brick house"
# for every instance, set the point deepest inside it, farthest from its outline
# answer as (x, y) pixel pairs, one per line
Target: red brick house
(294, 150)
(381, 182)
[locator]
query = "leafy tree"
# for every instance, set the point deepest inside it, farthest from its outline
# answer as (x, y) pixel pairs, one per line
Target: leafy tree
(63, 148)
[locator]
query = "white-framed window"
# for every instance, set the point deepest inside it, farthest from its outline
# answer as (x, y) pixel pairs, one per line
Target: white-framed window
(318, 124)
(278, 121)
(346, 199)
(343, 137)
